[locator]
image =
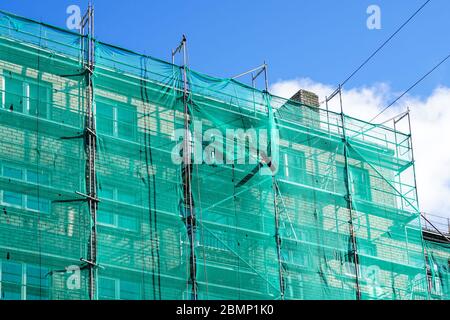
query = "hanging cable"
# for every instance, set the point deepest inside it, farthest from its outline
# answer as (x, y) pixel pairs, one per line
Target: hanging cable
(378, 49)
(411, 87)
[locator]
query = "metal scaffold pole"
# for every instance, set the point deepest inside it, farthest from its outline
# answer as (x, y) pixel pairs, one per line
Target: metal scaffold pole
(88, 54)
(277, 194)
(276, 201)
(349, 199)
(186, 170)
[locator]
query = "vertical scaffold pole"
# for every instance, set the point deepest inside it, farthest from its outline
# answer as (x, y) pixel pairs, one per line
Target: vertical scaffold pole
(276, 200)
(88, 58)
(278, 237)
(328, 115)
(349, 199)
(413, 159)
(186, 172)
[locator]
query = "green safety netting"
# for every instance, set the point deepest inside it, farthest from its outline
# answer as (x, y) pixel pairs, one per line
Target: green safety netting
(438, 255)
(338, 219)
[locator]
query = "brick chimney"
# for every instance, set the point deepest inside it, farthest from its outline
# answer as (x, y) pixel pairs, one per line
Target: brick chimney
(309, 114)
(307, 98)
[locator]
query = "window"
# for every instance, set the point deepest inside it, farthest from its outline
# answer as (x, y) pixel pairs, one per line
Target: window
(37, 204)
(25, 201)
(37, 276)
(105, 118)
(295, 257)
(106, 193)
(106, 289)
(126, 222)
(14, 92)
(126, 127)
(105, 218)
(115, 289)
(13, 198)
(116, 220)
(216, 240)
(29, 96)
(359, 182)
(12, 273)
(20, 281)
(13, 173)
(38, 101)
(116, 120)
(359, 179)
(37, 178)
(129, 290)
(293, 166)
(126, 197)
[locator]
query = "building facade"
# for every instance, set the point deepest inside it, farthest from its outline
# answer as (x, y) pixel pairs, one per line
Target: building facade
(334, 215)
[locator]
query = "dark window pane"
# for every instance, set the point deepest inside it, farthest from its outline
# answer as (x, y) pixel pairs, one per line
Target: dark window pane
(14, 94)
(294, 164)
(12, 272)
(106, 193)
(126, 122)
(129, 290)
(125, 222)
(126, 197)
(13, 173)
(39, 100)
(12, 198)
(105, 217)
(360, 183)
(11, 293)
(38, 204)
(36, 276)
(106, 289)
(38, 178)
(105, 118)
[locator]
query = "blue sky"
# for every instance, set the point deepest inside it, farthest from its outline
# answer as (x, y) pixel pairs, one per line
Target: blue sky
(322, 39)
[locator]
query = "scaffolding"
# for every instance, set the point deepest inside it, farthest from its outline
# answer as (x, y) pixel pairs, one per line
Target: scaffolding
(97, 204)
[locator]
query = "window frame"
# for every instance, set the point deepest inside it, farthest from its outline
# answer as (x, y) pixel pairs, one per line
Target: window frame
(288, 167)
(24, 197)
(115, 105)
(367, 196)
(26, 98)
(117, 287)
(24, 286)
(115, 216)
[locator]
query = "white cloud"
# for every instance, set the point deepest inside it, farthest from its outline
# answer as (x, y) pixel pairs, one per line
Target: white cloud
(430, 119)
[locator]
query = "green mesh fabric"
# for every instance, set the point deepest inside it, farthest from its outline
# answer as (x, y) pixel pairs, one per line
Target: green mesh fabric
(439, 269)
(338, 220)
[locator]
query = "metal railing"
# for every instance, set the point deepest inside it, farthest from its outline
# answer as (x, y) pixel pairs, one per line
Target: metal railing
(431, 222)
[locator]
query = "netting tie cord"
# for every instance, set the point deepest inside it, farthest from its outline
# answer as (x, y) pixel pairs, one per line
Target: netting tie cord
(69, 200)
(88, 69)
(89, 197)
(50, 273)
(91, 132)
(92, 264)
(73, 75)
(73, 137)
